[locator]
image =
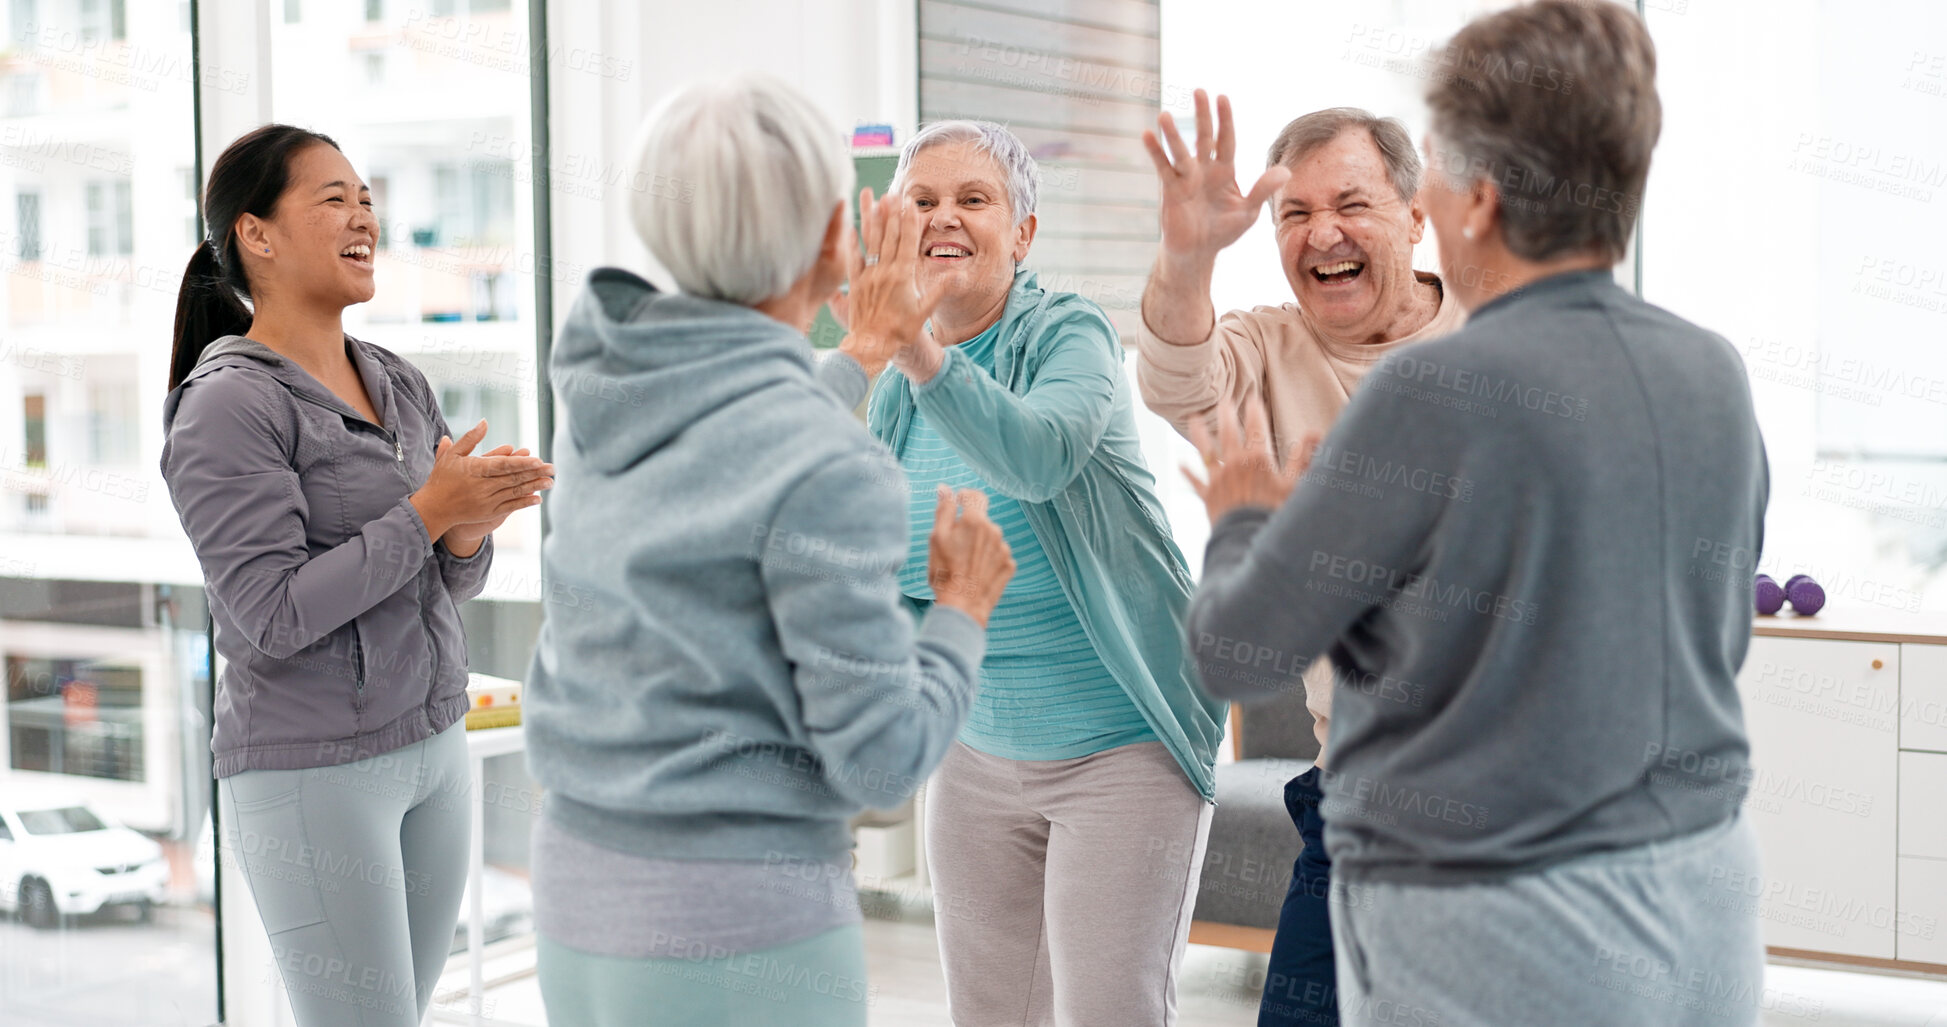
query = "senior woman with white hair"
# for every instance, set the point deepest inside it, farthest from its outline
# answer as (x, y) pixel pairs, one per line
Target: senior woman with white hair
(1065, 828)
(739, 677)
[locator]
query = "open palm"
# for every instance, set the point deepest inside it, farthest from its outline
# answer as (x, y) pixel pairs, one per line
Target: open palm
(1202, 209)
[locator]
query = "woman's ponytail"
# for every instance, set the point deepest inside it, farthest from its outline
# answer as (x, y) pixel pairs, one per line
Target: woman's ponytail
(207, 309)
(248, 178)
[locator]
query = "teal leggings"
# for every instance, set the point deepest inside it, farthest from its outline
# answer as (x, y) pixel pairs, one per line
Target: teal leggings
(817, 982)
(357, 871)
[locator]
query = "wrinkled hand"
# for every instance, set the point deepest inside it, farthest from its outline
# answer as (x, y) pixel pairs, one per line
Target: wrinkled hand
(1238, 469)
(1201, 209)
(884, 311)
(968, 563)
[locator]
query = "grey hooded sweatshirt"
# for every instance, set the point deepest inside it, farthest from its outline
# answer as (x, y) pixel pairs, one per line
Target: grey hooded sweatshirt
(737, 675)
(336, 614)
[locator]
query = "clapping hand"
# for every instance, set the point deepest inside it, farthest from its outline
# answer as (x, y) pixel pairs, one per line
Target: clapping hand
(1238, 467)
(884, 311)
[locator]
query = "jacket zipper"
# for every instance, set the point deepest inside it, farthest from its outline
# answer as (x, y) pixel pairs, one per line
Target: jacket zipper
(399, 462)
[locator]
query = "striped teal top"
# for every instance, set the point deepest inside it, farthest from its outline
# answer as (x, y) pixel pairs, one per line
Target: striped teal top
(1044, 693)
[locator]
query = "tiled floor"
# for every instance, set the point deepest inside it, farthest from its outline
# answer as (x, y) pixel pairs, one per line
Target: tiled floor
(1218, 988)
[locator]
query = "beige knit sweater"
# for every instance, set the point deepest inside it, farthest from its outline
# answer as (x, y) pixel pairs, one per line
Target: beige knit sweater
(1272, 354)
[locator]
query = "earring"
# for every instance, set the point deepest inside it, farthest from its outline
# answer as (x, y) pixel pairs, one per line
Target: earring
(1465, 233)
(267, 249)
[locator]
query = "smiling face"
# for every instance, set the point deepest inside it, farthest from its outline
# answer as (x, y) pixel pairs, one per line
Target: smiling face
(969, 240)
(321, 234)
(1346, 238)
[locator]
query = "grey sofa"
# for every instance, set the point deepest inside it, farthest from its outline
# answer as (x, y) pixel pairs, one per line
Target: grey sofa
(1247, 861)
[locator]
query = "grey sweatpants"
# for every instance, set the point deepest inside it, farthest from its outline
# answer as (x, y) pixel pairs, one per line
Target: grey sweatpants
(1063, 888)
(1659, 934)
(357, 871)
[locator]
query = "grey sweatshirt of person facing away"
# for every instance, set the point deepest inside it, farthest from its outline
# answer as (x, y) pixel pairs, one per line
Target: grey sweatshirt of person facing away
(1529, 549)
(336, 615)
(727, 670)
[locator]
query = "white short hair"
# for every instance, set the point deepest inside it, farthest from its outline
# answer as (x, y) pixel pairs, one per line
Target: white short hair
(1017, 165)
(735, 181)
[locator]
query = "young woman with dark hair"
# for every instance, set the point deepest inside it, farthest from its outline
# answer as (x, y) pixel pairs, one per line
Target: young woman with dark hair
(339, 526)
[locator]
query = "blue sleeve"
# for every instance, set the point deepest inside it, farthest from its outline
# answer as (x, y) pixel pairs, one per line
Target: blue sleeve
(881, 702)
(1030, 447)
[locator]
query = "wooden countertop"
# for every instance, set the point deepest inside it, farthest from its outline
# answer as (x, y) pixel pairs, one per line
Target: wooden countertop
(1857, 624)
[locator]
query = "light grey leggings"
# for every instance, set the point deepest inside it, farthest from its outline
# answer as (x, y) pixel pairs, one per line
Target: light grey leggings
(1063, 888)
(357, 871)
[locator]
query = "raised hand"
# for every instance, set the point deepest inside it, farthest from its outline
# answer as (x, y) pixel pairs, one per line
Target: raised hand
(1238, 468)
(884, 310)
(968, 562)
(1202, 210)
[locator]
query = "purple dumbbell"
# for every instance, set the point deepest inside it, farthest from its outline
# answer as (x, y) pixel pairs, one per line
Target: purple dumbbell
(1771, 597)
(1805, 595)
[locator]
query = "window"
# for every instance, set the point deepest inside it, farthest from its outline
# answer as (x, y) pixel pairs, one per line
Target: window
(66, 820)
(74, 717)
(113, 436)
(475, 201)
(27, 226)
(292, 13)
(106, 670)
(192, 222)
(24, 93)
(34, 429)
(445, 150)
(110, 218)
(1842, 195)
(21, 22)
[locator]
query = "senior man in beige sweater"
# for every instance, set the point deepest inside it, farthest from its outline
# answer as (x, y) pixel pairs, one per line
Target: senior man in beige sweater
(1343, 187)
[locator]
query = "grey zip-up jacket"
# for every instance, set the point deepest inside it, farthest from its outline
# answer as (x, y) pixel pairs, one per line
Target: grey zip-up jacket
(337, 614)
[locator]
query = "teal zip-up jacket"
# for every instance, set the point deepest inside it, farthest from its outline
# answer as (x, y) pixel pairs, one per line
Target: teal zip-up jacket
(1055, 427)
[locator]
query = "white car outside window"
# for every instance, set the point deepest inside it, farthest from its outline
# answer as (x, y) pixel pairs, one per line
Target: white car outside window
(64, 859)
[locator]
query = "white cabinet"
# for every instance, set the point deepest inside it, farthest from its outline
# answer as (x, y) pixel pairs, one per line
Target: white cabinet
(1824, 727)
(1923, 910)
(1923, 697)
(1923, 804)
